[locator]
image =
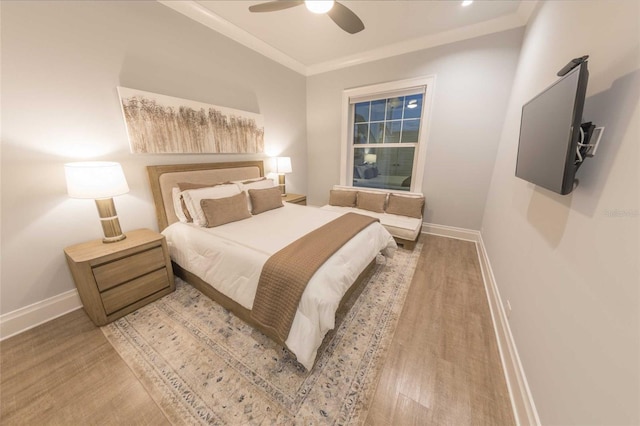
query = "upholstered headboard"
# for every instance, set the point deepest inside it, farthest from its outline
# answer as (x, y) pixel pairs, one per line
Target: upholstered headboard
(163, 178)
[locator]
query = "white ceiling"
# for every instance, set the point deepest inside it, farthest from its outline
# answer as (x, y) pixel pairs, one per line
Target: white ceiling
(311, 44)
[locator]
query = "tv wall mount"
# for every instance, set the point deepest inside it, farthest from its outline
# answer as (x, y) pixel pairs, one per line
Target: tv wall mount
(572, 64)
(585, 148)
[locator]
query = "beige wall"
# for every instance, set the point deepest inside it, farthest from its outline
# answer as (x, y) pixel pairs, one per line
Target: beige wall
(473, 80)
(61, 63)
(569, 264)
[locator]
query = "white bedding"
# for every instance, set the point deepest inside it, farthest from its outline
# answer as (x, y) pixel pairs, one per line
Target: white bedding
(232, 261)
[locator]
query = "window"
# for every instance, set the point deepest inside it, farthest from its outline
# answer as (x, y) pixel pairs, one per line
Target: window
(384, 135)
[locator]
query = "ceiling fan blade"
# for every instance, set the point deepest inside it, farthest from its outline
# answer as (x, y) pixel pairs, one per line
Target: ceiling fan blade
(345, 18)
(273, 6)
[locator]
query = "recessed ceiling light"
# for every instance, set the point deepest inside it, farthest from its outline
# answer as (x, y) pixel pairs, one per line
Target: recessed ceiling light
(466, 3)
(319, 6)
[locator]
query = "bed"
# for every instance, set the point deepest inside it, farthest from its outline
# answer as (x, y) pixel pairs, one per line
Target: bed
(225, 262)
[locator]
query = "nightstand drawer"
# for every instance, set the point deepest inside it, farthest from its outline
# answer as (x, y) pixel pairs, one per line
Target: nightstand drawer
(119, 271)
(126, 294)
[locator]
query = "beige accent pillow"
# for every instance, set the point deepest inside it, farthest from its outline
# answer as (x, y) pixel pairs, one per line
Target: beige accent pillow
(185, 210)
(184, 186)
(371, 201)
(342, 198)
(248, 181)
(178, 204)
(405, 206)
(265, 199)
(260, 183)
(224, 210)
(192, 199)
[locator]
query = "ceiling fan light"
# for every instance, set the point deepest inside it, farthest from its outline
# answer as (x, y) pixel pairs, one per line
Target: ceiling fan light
(319, 6)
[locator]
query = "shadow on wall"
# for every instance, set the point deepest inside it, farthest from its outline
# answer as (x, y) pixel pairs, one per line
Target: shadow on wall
(194, 83)
(548, 212)
(613, 109)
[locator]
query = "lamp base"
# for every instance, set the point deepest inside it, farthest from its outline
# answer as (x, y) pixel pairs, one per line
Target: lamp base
(109, 221)
(283, 190)
(114, 239)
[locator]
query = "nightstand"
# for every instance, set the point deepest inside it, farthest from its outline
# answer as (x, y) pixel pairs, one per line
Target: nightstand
(114, 279)
(295, 199)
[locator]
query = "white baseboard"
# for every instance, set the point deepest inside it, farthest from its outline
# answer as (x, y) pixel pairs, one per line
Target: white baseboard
(451, 232)
(524, 408)
(23, 319)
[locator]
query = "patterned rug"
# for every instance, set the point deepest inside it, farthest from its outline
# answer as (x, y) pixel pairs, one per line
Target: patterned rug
(202, 365)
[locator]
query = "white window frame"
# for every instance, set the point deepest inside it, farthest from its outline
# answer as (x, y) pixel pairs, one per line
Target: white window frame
(387, 90)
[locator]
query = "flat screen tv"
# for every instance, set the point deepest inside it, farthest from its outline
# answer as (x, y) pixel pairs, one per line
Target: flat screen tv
(550, 131)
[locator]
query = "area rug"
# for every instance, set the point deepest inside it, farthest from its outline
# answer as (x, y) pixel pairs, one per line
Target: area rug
(202, 365)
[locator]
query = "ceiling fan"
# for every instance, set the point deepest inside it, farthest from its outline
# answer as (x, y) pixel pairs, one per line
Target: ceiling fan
(339, 13)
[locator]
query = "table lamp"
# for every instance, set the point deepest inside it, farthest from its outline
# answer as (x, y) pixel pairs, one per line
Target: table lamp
(370, 158)
(99, 180)
(283, 165)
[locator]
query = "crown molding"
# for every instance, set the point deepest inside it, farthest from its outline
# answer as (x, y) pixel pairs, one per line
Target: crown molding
(471, 31)
(195, 11)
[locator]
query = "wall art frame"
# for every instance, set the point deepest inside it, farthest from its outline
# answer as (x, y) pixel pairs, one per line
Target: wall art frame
(161, 124)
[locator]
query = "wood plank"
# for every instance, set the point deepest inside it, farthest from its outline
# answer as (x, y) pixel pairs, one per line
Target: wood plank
(408, 412)
(443, 367)
(66, 372)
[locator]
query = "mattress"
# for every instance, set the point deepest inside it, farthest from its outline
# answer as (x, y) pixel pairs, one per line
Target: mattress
(404, 227)
(230, 258)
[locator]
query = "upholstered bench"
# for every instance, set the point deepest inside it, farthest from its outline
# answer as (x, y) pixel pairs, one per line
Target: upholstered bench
(399, 212)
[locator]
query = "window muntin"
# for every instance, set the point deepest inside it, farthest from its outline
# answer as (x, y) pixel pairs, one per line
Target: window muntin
(390, 120)
(379, 126)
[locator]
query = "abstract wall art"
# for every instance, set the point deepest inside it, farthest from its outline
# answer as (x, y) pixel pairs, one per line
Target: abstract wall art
(159, 124)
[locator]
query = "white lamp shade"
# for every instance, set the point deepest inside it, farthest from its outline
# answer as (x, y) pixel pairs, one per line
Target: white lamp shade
(370, 158)
(283, 165)
(95, 179)
(319, 6)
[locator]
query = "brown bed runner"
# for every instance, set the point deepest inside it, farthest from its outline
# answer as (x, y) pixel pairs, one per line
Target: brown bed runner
(286, 273)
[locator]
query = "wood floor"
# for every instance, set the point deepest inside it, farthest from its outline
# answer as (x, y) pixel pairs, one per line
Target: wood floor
(443, 368)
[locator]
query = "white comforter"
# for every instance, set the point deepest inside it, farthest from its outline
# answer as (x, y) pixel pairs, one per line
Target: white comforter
(231, 262)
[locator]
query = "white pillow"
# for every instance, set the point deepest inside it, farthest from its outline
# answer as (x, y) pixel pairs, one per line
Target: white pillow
(260, 183)
(177, 204)
(192, 198)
